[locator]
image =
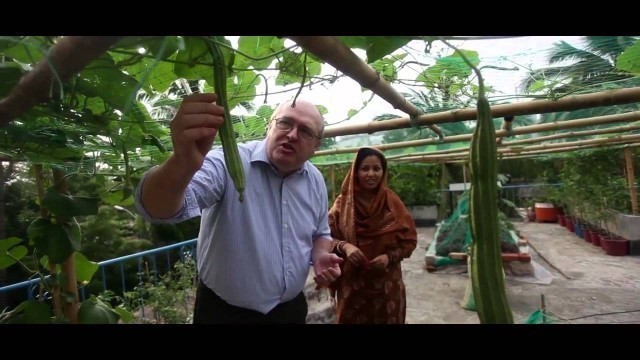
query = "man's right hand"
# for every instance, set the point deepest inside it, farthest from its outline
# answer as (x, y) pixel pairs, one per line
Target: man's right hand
(193, 129)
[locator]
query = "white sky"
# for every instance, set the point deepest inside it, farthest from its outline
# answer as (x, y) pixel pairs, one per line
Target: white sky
(345, 94)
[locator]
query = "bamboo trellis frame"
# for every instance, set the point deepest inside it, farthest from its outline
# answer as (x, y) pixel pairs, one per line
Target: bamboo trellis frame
(575, 102)
(531, 129)
(504, 148)
(537, 154)
(531, 155)
(570, 134)
(538, 149)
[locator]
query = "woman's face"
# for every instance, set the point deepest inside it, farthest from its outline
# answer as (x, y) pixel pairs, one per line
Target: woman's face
(370, 173)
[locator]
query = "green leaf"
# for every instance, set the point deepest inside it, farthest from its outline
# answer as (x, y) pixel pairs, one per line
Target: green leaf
(8, 243)
(85, 269)
(352, 112)
(50, 239)
(536, 86)
(164, 47)
(381, 46)
(104, 80)
(17, 252)
(74, 234)
(358, 42)
(7, 41)
(292, 67)
(44, 262)
(125, 315)
(322, 109)
(195, 51)
(386, 68)
(162, 76)
(9, 246)
(265, 112)
(242, 87)
(69, 206)
(449, 68)
(32, 312)
(115, 198)
(94, 311)
(257, 47)
(139, 117)
(28, 50)
(10, 74)
(256, 126)
(629, 60)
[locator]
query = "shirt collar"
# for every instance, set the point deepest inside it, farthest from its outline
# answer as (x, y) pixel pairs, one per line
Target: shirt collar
(260, 154)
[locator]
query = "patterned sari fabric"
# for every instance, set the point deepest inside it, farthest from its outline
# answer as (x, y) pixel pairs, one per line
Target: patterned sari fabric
(381, 226)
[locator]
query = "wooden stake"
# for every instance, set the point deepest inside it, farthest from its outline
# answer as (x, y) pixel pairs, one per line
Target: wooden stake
(628, 157)
(464, 175)
(68, 267)
(332, 176)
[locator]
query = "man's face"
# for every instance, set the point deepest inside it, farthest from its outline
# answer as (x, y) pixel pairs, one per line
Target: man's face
(293, 136)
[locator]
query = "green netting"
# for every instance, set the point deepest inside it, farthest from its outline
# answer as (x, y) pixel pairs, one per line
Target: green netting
(538, 317)
(454, 234)
(468, 301)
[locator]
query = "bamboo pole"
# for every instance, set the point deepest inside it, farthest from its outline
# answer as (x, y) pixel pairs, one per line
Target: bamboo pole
(535, 154)
(575, 102)
(617, 129)
(335, 53)
(507, 155)
(531, 129)
(332, 177)
(566, 149)
(505, 149)
(66, 58)
(464, 175)
(628, 157)
(600, 141)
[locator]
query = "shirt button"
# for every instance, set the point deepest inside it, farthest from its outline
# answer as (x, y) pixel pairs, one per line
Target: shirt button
(285, 202)
(286, 226)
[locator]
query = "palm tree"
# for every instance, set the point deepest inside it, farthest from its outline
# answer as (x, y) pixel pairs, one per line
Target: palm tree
(593, 66)
(591, 69)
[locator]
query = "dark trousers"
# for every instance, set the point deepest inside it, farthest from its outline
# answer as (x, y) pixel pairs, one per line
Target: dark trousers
(209, 308)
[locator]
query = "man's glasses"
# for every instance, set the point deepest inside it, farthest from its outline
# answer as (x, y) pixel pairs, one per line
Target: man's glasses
(287, 125)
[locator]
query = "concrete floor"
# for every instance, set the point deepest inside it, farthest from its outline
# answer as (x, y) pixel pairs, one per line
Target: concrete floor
(600, 283)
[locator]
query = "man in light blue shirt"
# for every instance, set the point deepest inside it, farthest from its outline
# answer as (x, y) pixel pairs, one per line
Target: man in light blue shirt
(253, 257)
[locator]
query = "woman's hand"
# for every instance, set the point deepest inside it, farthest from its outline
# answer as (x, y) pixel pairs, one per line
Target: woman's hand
(380, 262)
(355, 255)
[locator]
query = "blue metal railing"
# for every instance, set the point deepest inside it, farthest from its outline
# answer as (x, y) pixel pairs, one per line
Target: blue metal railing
(185, 248)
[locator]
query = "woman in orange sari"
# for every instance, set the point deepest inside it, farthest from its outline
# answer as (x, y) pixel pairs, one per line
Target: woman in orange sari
(373, 231)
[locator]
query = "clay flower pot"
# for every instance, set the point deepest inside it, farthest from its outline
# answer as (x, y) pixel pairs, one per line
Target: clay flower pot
(615, 246)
